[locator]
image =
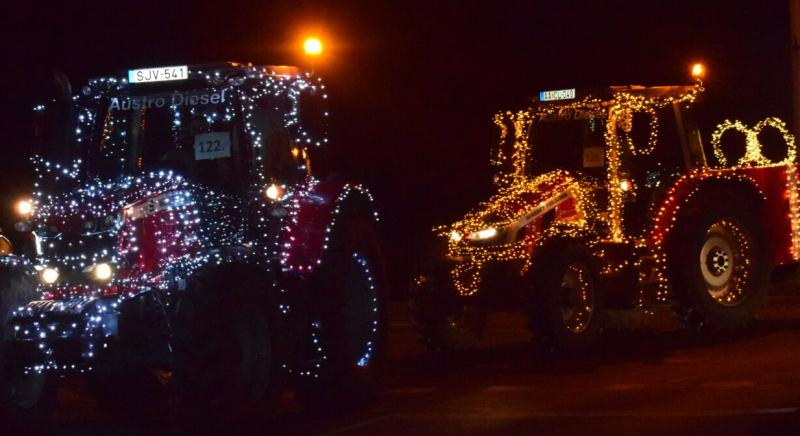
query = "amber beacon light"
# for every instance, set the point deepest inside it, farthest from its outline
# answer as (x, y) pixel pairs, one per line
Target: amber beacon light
(312, 47)
(698, 71)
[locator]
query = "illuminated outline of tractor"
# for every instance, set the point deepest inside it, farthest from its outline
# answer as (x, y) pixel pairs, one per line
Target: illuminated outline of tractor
(179, 230)
(606, 206)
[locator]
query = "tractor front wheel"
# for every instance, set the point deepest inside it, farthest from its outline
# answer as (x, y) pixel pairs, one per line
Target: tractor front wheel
(565, 307)
(445, 322)
(225, 359)
(349, 324)
(24, 397)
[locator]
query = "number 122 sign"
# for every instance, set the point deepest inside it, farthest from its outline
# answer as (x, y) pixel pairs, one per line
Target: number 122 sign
(212, 145)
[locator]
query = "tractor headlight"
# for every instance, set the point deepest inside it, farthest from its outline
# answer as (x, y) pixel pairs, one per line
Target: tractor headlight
(275, 192)
(24, 207)
(102, 271)
(482, 235)
(48, 275)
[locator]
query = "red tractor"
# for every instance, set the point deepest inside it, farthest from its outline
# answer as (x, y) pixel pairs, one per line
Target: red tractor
(178, 234)
(608, 205)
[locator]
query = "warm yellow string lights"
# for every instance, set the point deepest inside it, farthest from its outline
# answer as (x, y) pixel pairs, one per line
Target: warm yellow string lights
(519, 217)
(753, 155)
(515, 207)
(794, 209)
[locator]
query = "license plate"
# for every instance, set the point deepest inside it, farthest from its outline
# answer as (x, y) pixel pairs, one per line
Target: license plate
(558, 94)
(159, 74)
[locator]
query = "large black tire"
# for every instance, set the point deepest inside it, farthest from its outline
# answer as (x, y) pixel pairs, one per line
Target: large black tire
(138, 365)
(718, 267)
(565, 305)
(25, 399)
(444, 322)
(349, 305)
(226, 359)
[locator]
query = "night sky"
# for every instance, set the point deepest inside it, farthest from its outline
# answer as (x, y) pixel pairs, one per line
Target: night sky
(413, 84)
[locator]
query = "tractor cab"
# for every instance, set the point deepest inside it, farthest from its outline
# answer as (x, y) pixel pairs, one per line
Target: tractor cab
(212, 140)
(216, 124)
(622, 144)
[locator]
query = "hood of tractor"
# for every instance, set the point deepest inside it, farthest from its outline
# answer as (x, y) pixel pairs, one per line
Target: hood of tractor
(508, 226)
(99, 222)
(515, 208)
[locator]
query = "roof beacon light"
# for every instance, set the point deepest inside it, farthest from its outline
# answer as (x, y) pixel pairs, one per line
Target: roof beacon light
(698, 71)
(312, 47)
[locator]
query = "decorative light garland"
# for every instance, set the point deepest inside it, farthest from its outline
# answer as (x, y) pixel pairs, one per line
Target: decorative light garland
(155, 229)
(518, 209)
(753, 155)
(515, 200)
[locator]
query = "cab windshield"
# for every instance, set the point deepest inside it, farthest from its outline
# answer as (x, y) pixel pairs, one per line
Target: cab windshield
(567, 139)
(574, 140)
(194, 133)
(206, 135)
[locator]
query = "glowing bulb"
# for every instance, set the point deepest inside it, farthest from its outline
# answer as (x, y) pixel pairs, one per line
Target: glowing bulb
(274, 192)
(49, 275)
(24, 207)
(698, 71)
(625, 185)
(102, 271)
(483, 234)
(455, 236)
(312, 47)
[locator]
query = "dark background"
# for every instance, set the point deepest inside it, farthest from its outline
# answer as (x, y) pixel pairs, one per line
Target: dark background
(414, 84)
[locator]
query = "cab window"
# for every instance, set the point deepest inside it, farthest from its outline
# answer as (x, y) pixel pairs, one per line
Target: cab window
(272, 139)
(201, 142)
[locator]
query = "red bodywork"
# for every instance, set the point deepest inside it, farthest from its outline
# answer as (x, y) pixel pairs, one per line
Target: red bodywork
(774, 183)
(304, 237)
(152, 237)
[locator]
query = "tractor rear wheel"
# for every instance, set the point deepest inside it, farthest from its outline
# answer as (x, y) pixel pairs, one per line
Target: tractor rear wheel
(718, 269)
(349, 333)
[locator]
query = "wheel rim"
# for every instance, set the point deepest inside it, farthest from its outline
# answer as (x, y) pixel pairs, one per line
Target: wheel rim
(725, 263)
(577, 298)
(362, 310)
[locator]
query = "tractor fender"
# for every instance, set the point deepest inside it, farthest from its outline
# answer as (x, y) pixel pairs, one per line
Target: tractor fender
(312, 219)
(761, 190)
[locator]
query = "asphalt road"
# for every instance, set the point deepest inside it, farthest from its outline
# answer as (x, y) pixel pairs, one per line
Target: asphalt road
(661, 379)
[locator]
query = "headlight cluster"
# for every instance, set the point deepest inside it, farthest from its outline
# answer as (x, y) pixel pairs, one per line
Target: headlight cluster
(275, 192)
(48, 275)
(100, 272)
(479, 235)
(24, 207)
